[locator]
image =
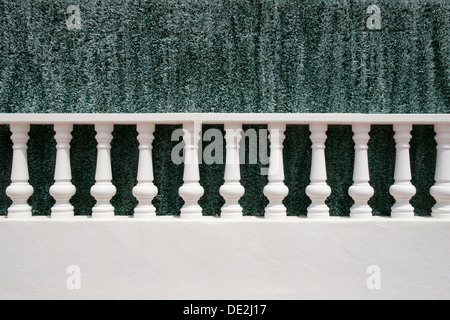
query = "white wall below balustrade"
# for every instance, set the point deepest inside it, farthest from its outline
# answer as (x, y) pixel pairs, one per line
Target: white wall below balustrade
(253, 258)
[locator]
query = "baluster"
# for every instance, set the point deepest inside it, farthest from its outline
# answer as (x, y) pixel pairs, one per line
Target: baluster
(63, 189)
(402, 190)
(145, 191)
(441, 190)
(232, 190)
(103, 190)
(20, 190)
(191, 191)
(361, 191)
(276, 190)
(318, 191)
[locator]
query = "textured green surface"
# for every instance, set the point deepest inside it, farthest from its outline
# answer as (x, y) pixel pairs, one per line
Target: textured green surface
(215, 55)
(224, 56)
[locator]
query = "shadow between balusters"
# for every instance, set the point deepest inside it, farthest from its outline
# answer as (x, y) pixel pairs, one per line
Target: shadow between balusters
(381, 167)
(41, 168)
(212, 169)
(168, 175)
(83, 161)
(340, 157)
(124, 165)
(297, 168)
(5, 168)
(253, 178)
(423, 155)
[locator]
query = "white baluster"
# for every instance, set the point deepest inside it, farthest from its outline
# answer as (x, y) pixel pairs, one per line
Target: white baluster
(361, 191)
(63, 189)
(318, 191)
(191, 191)
(441, 190)
(276, 190)
(232, 190)
(103, 190)
(402, 190)
(20, 190)
(145, 191)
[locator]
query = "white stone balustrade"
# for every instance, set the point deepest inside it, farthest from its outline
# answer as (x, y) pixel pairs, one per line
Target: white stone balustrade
(103, 190)
(232, 190)
(20, 190)
(276, 190)
(63, 189)
(145, 191)
(191, 191)
(441, 190)
(318, 191)
(402, 190)
(361, 191)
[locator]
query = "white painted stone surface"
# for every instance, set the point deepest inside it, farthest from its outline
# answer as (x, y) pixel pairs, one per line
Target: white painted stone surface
(20, 190)
(145, 191)
(402, 190)
(63, 190)
(276, 190)
(318, 190)
(441, 190)
(361, 191)
(191, 191)
(212, 258)
(220, 118)
(232, 190)
(103, 190)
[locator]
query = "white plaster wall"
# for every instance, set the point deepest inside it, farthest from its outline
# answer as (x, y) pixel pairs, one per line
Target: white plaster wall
(211, 258)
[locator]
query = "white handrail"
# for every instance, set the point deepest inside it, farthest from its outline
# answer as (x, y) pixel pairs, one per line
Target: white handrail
(232, 190)
(221, 118)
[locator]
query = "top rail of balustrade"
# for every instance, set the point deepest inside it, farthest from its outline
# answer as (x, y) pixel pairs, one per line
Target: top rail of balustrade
(220, 118)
